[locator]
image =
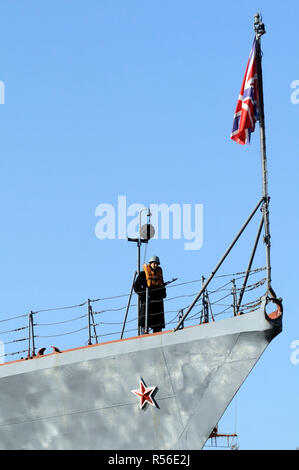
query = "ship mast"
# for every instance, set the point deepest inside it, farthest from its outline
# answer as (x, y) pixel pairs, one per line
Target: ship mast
(259, 29)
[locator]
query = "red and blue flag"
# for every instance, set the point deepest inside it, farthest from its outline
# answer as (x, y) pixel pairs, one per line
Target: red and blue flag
(246, 113)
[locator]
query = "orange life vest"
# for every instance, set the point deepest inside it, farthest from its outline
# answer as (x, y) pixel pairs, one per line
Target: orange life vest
(153, 278)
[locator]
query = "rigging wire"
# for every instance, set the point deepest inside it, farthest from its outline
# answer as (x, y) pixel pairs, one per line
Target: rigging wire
(251, 305)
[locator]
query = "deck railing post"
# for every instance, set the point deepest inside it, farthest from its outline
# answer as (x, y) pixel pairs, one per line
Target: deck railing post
(205, 305)
(234, 294)
(88, 320)
(29, 337)
(31, 332)
(93, 325)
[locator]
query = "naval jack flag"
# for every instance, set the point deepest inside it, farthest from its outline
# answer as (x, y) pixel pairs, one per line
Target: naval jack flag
(246, 113)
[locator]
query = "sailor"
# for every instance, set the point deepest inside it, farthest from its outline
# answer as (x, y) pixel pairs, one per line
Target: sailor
(151, 277)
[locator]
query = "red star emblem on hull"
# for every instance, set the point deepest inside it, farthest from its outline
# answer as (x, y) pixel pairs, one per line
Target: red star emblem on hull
(145, 394)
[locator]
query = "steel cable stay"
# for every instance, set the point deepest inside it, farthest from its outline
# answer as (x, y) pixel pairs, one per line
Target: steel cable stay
(13, 353)
(15, 341)
(16, 329)
(238, 289)
(13, 318)
(59, 308)
(60, 322)
(135, 319)
(135, 329)
(253, 271)
(114, 309)
(252, 286)
(262, 202)
(62, 334)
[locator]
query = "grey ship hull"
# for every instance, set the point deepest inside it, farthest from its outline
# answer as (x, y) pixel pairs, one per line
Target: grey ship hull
(82, 398)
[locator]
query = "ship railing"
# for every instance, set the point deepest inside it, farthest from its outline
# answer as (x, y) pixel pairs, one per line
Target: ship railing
(101, 320)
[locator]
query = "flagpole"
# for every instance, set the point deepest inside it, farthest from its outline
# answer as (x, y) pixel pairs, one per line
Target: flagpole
(259, 28)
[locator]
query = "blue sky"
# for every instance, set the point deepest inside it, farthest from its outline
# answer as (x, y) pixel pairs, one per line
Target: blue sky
(135, 98)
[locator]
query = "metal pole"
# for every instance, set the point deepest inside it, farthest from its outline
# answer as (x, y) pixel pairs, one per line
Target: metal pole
(234, 294)
(29, 336)
(205, 306)
(94, 326)
(146, 310)
(138, 256)
(88, 317)
(138, 262)
(139, 241)
(250, 263)
(128, 306)
(259, 28)
(219, 264)
(32, 334)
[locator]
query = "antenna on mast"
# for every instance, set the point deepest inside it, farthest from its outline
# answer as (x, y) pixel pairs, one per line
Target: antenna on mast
(259, 26)
(146, 232)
